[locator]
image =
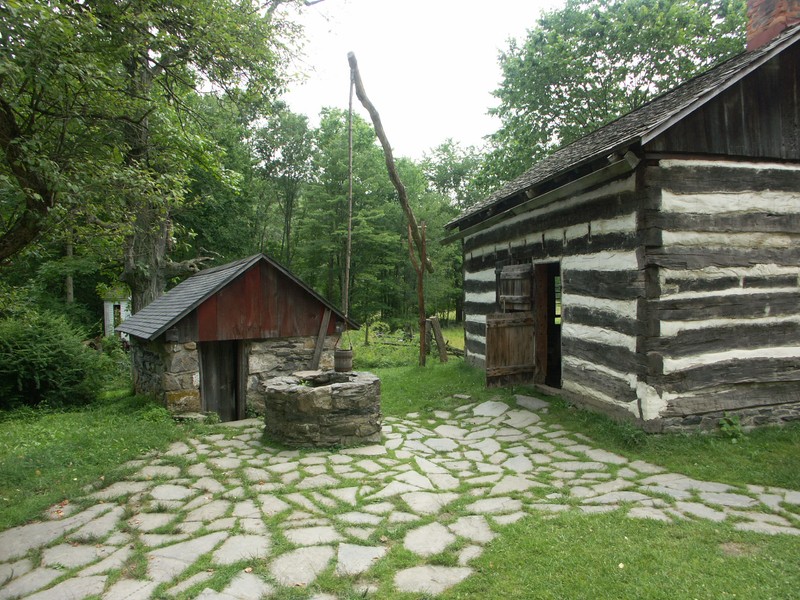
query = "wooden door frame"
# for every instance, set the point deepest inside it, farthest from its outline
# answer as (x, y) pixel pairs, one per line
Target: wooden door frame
(547, 342)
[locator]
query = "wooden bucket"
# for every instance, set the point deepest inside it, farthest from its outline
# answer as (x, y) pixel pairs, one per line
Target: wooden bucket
(342, 360)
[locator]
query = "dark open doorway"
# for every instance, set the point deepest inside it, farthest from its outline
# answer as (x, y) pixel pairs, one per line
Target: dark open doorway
(222, 379)
(547, 323)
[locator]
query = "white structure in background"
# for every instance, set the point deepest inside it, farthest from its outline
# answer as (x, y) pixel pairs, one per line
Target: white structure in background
(115, 311)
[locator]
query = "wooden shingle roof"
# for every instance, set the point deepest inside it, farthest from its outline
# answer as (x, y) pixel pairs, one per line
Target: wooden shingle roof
(165, 311)
(638, 126)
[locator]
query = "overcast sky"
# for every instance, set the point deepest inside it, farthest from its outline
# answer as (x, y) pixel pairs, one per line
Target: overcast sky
(428, 66)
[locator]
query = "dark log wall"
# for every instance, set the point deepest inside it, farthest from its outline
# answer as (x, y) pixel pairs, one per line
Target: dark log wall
(724, 272)
(756, 118)
(595, 237)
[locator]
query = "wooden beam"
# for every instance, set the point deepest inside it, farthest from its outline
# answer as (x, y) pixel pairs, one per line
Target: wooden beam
(323, 330)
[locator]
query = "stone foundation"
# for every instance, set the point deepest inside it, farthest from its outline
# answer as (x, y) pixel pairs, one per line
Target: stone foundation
(324, 408)
(170, 372)
(749, 418)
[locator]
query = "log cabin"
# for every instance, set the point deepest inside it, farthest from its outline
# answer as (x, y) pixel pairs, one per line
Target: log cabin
(211, 342)
(651, 269)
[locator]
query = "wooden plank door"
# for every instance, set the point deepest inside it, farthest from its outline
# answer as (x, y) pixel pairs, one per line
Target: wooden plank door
(509, 348)
(219, 379)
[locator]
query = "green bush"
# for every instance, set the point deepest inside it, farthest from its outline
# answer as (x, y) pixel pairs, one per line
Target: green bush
(43, 361)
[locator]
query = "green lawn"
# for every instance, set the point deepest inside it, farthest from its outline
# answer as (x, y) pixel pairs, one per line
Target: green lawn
(49, 456)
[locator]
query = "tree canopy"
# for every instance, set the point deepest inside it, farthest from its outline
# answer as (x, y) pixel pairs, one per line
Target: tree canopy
(586, 64)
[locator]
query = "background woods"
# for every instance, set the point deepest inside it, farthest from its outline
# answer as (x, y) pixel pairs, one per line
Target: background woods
(141, 141)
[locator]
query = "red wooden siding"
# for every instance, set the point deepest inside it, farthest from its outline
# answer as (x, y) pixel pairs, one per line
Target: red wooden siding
(261, 303)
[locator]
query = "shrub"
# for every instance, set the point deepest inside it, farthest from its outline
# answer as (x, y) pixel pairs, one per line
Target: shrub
(43, 361)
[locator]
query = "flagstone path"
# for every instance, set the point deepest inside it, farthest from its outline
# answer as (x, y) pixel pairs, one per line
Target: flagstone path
(441, 485)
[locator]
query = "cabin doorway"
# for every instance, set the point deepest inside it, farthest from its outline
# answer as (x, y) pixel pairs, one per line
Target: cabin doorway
(222, 379)
(547, 323)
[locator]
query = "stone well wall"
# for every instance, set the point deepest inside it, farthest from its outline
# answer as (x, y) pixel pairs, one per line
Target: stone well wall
(276, 357)
(324, 408)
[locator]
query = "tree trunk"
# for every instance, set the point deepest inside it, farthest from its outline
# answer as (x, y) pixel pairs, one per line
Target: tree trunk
(69, 283)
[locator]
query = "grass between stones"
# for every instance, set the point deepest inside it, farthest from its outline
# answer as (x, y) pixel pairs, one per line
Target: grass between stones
(49, 457)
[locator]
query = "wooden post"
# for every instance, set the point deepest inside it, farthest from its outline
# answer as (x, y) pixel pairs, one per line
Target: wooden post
(323, 330)
(437, 332)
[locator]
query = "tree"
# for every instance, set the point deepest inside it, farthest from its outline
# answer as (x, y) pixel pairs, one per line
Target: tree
(283, 149)
(584, 65)
(95, 116)
(451, 170)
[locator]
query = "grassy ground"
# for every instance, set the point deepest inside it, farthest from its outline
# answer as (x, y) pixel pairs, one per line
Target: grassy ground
(49, 457)
(610, 556)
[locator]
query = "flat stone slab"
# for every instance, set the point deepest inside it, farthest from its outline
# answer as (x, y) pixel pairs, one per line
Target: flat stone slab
(604, 456)
(209, 512)
(242, 547)
(272, 505)
(164, 564)
(168, 491)
(531, 403)
(474, 528)
(100, 527)
(518, 464)
(150, 521)
(451, 431)
(354, 560)
(428, 540)
(513, 483)
(374, 450)
(248, 585)
(700, 510)
(487, 446)
(131, 589)
(578, 465)
(430, 579)
(490, 409)
(159, 471)
(71, 556)
(29, 583)
(521, 418)
(312, 536)
(77, 587)
(493, 506)
(15, 542)
(300, 567)
(767, 528)
(428, 503)
(728, 499)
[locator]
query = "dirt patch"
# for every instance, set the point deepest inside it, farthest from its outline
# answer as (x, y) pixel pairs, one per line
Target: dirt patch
(736, 549)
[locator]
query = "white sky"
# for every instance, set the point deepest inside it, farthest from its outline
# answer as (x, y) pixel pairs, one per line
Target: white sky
(428, 66)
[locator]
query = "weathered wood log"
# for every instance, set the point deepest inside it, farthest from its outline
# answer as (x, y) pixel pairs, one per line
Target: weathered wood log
(727, 306)
(731, 372)
(610, 386)
(617, 285)
(737, 336)
(727, 398)
(437, 333)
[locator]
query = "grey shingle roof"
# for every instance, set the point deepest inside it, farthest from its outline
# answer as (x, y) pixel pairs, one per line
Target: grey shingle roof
(165, 311)
(639, 125)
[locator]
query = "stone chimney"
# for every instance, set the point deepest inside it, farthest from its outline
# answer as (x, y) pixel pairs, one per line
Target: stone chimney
(767, 18)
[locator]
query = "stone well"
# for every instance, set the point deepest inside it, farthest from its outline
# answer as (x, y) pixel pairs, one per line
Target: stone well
(324, 408)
